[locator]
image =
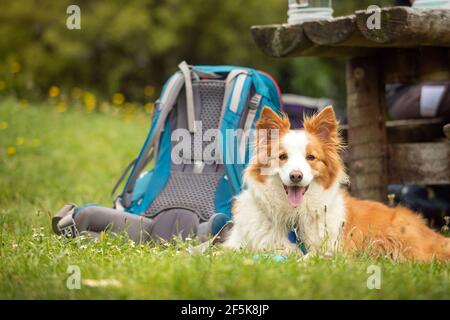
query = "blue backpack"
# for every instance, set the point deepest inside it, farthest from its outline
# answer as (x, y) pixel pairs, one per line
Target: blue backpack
(198, 185)
(220, 97)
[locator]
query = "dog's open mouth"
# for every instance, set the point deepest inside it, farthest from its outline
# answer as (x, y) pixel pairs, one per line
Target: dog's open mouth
(295, 194)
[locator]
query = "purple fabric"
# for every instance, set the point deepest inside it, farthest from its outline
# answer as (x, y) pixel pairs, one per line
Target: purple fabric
(295, 113)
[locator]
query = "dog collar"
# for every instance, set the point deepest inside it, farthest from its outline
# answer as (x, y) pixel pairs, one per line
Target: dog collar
(294, 238)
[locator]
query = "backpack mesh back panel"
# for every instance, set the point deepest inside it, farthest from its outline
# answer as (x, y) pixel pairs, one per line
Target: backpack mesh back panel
(185, 188)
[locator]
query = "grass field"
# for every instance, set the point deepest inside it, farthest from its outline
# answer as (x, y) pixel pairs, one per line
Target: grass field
(48, 158)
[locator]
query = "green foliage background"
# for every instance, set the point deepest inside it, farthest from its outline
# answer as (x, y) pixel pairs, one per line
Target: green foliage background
(125, 45)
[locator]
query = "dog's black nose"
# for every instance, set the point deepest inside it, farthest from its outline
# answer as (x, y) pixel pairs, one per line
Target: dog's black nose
(296, 176)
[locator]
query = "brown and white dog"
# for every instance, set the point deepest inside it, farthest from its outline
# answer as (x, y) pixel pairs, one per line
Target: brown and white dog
(298, 185)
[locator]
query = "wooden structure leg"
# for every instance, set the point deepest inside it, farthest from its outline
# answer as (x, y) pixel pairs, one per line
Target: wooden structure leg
(367, 129)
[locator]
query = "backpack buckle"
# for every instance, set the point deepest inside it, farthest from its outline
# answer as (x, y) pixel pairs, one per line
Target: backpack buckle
(67, 228)
(255, 101)
(69, 231)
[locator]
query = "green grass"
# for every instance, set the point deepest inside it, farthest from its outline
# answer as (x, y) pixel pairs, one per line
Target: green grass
(77, 158)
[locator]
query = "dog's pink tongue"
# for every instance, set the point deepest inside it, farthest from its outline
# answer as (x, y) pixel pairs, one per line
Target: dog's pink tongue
(295, 196)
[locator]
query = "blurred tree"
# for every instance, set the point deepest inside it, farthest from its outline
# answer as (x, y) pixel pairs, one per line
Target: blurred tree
(124, 46)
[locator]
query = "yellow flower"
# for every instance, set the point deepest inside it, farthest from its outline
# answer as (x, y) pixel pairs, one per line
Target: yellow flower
(149, 107)
(11, 150)
(3, 125)
(118, 99)
(15, 67)
(53, 91)
(2, 85)
(90, 102)
(61, 107)
(35, 142)
(149, 91)
(20, 141)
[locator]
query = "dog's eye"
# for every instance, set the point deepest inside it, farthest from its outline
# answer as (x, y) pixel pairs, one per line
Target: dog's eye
(283, 156)
(310, 157)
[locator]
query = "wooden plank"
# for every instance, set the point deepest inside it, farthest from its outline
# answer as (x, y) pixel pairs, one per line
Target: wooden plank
(290, 40)
(419, 163)
(414, 130)
(408, 163)
(401, 27)
(341, 31)
(411, 130)
(407, 27)
(365, 100)
(280, 40)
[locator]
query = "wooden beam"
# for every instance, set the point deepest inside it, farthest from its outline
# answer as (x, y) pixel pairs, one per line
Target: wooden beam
(368, 146)
(407, 27)
(414, 130)
(280, 40)
(419, 163)
(290, 40)
(411, 130)
(401, 27)
(341, 31)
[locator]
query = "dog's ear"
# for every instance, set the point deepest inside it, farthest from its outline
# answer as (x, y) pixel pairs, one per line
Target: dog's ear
(269, 119)
(324, 124)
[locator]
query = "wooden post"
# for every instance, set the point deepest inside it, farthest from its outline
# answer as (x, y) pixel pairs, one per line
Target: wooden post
(367, 129)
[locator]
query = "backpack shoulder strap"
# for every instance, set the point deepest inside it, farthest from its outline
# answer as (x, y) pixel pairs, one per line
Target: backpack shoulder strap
(122, 176)
(253, 107)
(239, 83)
(190, 108)
(265, 93)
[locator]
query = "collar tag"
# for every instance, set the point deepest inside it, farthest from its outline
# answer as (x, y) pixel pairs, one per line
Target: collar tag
(293, 238)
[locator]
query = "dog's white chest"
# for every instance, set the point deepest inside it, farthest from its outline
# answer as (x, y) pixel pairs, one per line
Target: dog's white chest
(320, 225)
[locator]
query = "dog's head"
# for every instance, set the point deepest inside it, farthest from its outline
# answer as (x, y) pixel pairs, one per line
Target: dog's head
(297, 157)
